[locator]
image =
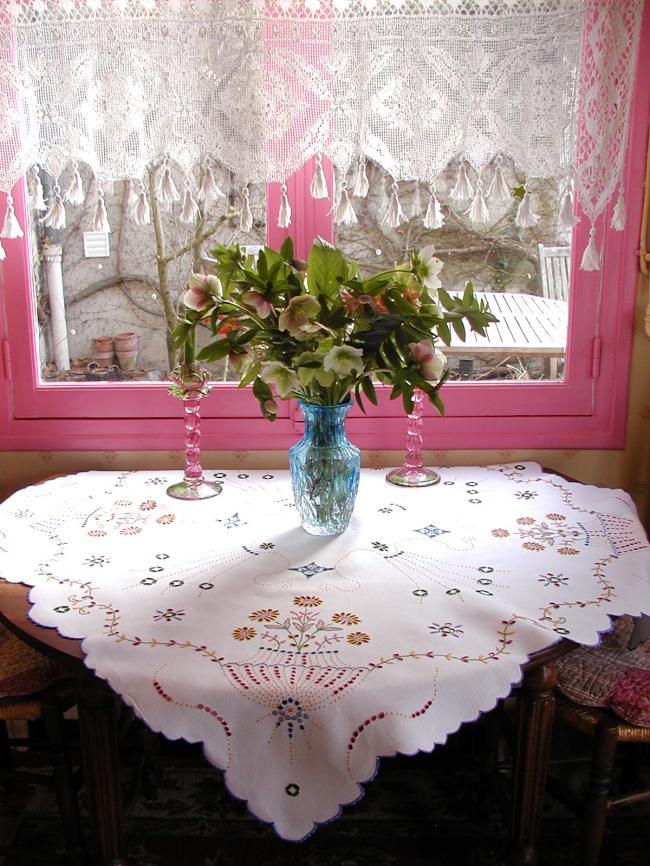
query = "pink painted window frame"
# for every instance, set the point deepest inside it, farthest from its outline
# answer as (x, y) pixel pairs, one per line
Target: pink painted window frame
(582, 412)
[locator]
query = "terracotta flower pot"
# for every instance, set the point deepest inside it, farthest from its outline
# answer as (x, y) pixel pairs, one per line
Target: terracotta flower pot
(126, 349)
(103, 350)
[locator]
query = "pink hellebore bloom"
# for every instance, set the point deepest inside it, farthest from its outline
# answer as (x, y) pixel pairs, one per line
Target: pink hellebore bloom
(202, 292)
(296, 319)
(261, 306)
(430, 360)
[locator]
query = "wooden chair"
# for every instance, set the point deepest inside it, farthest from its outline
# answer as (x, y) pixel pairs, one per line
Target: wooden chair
(33, 687)
(604, 692)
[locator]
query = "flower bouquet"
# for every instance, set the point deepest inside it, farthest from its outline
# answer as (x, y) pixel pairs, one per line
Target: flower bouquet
(321, 333)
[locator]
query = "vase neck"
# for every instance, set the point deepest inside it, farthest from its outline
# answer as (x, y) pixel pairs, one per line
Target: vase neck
(323, 424)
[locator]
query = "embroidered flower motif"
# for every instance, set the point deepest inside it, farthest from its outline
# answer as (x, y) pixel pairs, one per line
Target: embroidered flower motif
(244, 632)
(166, 518)
(169, 615)
(379, 546)
(101, 561)
(346, 618)
(130, 530)
(148, 505)
(525, 494)
(97, 533)
(533, 545)
(267, 545)
(265, 615)
(567, 551)
(554, 516)
(526, 521)
(500, 533)
(550, 579)
(123, 502)
(358, 638)
(446, 629)
(307, 600)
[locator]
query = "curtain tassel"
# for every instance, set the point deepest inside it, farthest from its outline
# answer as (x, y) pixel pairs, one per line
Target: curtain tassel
(478, 212)
(245, 214)
(209, 189)
(190, 209)
(526, 218)
(55, 217)
(463, 190)
(416, 201)
(167, 193)
(619, 215)
(361, 185)
(99, 222)
(74, 194)
(318, 186)
(498, 191)
(11, 227)
(567, 217)
(434, 217)
(132, 199)
(590, 258)
(36, 199)
(142, 211)
(284, 214)
(345, 214)
(394, 215)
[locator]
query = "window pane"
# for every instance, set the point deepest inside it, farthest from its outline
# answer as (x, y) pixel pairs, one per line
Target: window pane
(105, 302)
(524, 272)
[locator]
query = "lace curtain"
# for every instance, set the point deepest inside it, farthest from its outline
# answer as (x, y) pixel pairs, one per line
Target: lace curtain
(259, 87)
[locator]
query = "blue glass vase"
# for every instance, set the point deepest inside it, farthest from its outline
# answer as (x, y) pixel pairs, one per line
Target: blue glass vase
(325, 468)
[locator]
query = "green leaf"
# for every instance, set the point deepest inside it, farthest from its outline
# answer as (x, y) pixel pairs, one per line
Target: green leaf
(261, 390)
(244, 337)
(407, 400)
(444, 333)
(180, 334)
(326, 270)
(215, 351)
(250, 374)
(369, 389)
(459, 327)
(357, 396)
(286, 250)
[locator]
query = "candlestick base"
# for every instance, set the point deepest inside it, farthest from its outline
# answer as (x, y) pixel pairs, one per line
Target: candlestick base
(194, 490)
(412, 477)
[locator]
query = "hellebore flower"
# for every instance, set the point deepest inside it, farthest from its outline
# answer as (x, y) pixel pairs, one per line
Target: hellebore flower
(202, 293)
(254, 299)
(427, 267)
(431, 361)
(308, 375)
(344, 360)
(296, 319)
(278, 374)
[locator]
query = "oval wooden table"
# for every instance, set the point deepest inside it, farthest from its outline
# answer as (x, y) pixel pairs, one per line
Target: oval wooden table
(100, 753)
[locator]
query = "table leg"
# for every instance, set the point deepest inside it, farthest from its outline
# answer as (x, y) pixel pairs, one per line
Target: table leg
(536, 706)
(100, 755)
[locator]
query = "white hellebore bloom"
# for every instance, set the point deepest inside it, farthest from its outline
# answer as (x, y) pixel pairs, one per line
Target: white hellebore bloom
(430, 360)
(278, 374)
(344, 360)
(428, 267)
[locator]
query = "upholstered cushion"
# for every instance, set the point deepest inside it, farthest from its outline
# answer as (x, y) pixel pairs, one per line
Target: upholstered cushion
(610, 675)
(23, 670)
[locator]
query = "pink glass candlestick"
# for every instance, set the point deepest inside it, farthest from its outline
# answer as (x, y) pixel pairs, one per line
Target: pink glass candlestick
(190, 384)
(413, 473)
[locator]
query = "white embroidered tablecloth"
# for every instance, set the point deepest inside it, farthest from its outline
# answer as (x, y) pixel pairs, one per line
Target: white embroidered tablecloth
(298, 660)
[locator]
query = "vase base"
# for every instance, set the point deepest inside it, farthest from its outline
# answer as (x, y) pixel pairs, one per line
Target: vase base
(404, 477)
(194, 490)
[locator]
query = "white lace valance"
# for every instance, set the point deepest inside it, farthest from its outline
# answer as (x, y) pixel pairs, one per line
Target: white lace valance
(260, 87)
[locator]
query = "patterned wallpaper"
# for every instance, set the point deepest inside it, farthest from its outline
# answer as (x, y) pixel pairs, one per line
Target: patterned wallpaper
(628, 468)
